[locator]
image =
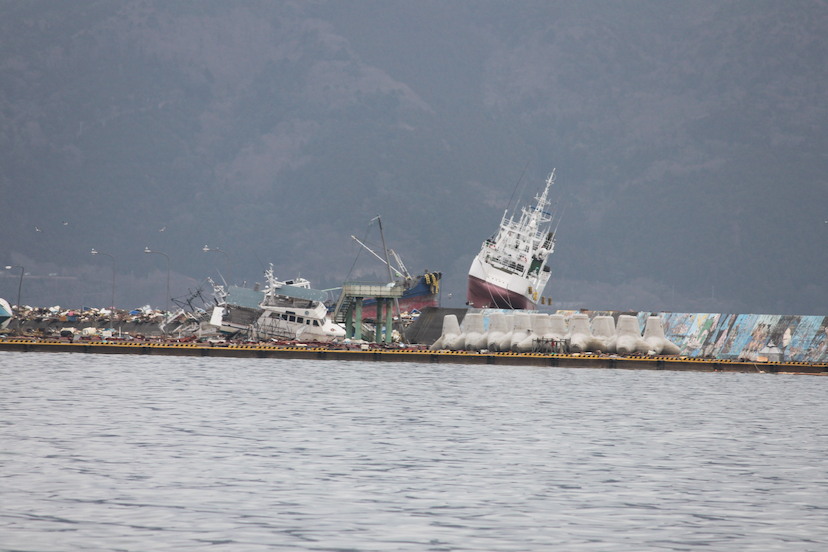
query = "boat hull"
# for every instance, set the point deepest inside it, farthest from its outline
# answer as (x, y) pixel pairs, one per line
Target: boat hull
(424, 293)
(511, 270)
(485, 295)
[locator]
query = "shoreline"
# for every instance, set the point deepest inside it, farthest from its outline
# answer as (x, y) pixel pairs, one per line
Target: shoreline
(338, 352)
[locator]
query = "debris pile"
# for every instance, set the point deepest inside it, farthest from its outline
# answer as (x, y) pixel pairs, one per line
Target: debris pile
(56, 321)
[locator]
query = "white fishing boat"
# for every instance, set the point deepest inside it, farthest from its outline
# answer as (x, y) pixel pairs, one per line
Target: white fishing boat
(511, 269)
(284, 310)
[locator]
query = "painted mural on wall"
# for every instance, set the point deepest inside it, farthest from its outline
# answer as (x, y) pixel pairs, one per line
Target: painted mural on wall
(741, 336)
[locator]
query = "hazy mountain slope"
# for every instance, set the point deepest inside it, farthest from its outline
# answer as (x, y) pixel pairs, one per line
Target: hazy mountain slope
(689, 141)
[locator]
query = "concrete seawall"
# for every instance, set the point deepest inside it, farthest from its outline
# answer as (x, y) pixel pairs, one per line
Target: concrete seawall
(711, 335)
(741, 336)
(413, 355)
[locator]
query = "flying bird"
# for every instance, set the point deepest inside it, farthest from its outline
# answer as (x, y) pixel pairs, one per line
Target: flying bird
(162, 229)
(38, 229)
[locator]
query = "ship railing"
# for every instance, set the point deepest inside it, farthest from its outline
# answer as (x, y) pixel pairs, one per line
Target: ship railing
(373, 289)
(507, 266)
(288, 302)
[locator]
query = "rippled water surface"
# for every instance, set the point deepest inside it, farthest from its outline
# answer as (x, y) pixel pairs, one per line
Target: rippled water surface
(103, 452)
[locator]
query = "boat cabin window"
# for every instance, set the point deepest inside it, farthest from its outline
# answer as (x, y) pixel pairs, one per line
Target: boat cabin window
(300, 319)
(291, 318)
(316, 322)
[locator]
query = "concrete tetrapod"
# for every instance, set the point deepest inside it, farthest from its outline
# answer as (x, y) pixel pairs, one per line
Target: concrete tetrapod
(522, 333)
(628, 340)
(654, 337)
(603, 328)
(581, 339)
(473, 334)
(497, 330)
(557, 325)
(536, 340)
(451, 332)
(505, 343)
(459, 342)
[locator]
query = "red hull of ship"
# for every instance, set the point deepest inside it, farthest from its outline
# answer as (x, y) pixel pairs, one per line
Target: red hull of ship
(407, 304)
(369, 312)
(418, 303)
(483, 295)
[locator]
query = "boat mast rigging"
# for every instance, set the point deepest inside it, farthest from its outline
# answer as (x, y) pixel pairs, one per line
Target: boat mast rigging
(401, 270)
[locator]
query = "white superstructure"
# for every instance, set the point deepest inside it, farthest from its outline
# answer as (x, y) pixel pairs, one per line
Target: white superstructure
(285, 310)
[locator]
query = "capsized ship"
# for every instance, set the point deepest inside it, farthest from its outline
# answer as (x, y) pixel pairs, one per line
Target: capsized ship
(511, 270)
(421, 291)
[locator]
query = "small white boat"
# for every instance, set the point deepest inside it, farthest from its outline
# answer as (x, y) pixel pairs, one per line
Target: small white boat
(284, 310)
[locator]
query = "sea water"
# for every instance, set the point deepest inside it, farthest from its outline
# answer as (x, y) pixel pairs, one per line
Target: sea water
(111, 452)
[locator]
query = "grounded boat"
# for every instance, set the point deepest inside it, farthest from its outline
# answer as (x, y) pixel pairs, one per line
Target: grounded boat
(284, 310)
(511, 270)
(421, 291)
(5, 313)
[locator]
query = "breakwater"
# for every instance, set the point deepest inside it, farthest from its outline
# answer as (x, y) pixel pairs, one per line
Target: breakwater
(733, 337)
(412, 355)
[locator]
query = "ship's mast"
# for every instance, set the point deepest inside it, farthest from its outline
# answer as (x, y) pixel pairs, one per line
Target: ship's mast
(384, 249)
(400, 271)
(388, 265)
(538, 211)
(531, 219)
(542, 200)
